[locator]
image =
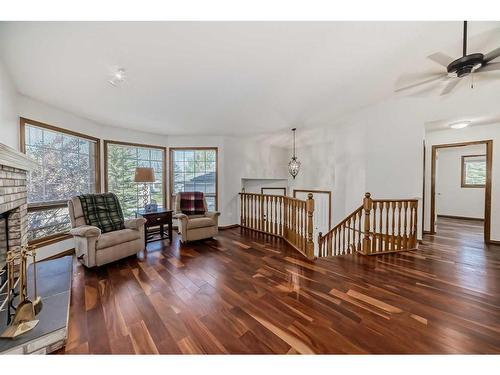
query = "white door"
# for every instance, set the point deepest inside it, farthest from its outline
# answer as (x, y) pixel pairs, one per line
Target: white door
(321, 216)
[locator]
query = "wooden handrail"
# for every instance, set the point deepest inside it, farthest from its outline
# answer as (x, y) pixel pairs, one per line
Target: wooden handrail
(378, 226)
(281, 216)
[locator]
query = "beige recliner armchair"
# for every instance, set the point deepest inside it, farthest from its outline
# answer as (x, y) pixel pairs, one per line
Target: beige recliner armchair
(94, 248)
(196, 227)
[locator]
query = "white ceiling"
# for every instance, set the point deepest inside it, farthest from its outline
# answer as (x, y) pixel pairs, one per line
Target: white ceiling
(444, 124)
(224, 78)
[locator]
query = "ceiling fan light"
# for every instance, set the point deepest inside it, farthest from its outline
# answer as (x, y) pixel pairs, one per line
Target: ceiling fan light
(460, 125)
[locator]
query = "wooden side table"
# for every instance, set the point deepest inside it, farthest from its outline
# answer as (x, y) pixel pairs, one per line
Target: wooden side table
(160, 217)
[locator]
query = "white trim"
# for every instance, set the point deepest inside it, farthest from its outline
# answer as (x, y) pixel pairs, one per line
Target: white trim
(15, 159)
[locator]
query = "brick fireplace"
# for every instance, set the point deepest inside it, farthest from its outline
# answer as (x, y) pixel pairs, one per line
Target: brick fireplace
(14, 167)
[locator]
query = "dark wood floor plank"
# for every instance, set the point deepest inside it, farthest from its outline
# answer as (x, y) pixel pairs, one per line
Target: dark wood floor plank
(247, 292)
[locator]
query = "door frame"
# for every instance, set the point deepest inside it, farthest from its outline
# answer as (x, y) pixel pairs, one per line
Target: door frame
(295, 191)
(487, 190)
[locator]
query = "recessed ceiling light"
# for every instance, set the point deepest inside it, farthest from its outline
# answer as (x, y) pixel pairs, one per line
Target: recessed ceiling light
(460, 125)
(117, 76)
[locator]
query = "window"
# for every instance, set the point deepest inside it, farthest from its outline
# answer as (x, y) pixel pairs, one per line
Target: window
(121, 160)
(474, 171)
(194, 169)
(68, 165)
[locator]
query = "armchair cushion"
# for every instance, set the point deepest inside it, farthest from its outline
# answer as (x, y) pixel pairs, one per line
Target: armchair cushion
(102, 211)
(200, 223)
(135, 223)
(117, 237)
(85, 231)
(192, 203)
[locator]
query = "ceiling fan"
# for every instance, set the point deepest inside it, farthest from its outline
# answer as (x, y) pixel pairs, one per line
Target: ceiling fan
(457, 69)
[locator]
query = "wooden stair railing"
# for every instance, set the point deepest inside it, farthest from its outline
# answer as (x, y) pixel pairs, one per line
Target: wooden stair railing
(281, 216)
(377, 227)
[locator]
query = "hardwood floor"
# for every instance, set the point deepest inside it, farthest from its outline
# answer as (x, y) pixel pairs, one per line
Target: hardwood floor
(251, 293)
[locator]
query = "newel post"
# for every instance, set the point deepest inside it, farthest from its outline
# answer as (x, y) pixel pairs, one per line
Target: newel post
(367, 207)
(310, 226)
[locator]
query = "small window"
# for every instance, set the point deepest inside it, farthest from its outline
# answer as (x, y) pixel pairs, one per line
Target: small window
(474, 171)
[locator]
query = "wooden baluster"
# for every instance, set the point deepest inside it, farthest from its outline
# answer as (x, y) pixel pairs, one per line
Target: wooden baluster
(270, 213)
(337, 243)
(393, 234)
(415, 225)
(297, 224)
(399, 225)
(247, 211)
(303, 229)
(375, 233)
(275, 199)
(304, 225)
(261, 213)
(367, 207)
(254, 203)
(380, 230)
(268, 216)
(387, 209)
(360, 230)
(245, 218)
(252, 209)
(256, 207)
(310, 225)
(405, 233)
(329, 243)
(349, 231)
(241, 209)
(281, 207)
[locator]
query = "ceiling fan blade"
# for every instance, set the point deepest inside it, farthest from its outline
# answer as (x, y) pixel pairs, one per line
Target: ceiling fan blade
(450, 86)
(492, 55)
(441, 59)
(489, 67)
(424, 82)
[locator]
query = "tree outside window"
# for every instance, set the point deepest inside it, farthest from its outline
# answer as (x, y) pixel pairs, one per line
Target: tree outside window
(474, 171)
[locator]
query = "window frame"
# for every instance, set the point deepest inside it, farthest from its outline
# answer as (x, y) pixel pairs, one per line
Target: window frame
(463, 172)
(171, 172)
(41, 206)
(142, 145)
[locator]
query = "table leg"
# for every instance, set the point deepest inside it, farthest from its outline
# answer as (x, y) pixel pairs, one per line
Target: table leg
(170, 231)
(162, 231)
(145, 235)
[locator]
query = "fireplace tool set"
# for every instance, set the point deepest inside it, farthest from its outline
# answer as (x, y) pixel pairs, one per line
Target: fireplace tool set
(21, 311)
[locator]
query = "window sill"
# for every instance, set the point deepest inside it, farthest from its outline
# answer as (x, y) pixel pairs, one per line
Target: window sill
(45, 241)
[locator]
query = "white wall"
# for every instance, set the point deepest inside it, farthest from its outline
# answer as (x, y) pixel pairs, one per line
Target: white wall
(9, 121)
(380, 148)
(451, 198)
(237, 157)
(472, 133)
(377, 150)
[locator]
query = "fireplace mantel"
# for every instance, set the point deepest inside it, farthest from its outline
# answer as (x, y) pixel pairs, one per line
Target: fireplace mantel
(15, 159)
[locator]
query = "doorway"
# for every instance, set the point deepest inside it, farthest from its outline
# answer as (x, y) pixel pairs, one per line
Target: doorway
(461, 188)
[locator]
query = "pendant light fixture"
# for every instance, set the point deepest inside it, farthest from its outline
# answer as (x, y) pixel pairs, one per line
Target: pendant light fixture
(294, 164)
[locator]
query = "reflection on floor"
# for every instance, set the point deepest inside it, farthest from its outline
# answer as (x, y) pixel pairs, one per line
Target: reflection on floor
(251, 293)
(462, 230)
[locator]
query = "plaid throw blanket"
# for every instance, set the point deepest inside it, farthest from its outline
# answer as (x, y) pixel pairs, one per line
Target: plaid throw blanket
(192, 203)
(102, 211)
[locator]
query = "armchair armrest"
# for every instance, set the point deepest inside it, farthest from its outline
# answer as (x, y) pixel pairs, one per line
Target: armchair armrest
(135, 223)
(181, 216)
(212, 214)
(85, 231)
